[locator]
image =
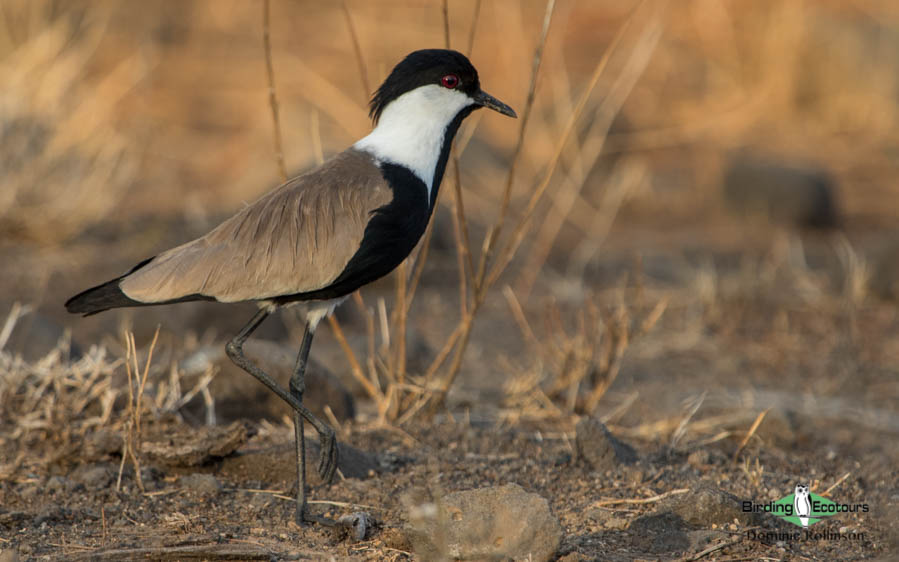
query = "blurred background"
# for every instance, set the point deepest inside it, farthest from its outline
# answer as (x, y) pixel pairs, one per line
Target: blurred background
(736, 161)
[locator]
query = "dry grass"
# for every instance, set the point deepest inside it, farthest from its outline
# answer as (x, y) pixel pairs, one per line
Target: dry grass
(628, 114)
(400, 399)
(49, 406)
(573, 368)
(64, 166)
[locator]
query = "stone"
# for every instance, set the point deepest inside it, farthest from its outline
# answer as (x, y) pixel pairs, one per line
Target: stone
(278, 464)
(495, 523)
(600, 448)
(705, 506)
(786, 193)
(9, 555)
(194, 447)
(661, 533)
(103, 442)
(93, 477)
(56, 484)
(884, 280)
(203, 484)
(698, 458)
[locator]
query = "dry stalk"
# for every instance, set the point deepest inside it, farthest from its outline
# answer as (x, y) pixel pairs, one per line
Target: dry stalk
(640, 501)
(573, 369)
(568, 193)
(479, 289)
(272, 96)
(133, 439)
(357, 50)
(398, 395)
(752, 429)
(488, 270)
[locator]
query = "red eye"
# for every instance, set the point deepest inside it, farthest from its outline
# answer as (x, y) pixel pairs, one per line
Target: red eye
(449, 81)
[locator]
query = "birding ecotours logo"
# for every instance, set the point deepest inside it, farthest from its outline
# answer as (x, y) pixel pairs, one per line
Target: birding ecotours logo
(802, 508)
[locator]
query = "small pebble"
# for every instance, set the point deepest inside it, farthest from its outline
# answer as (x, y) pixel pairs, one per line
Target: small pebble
(56, 484)
(204, 484)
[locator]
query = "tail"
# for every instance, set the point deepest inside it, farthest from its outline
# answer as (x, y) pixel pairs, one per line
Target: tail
(109, 295)
(103, 297)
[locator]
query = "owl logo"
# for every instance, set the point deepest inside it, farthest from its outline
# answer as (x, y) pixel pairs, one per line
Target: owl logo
(802, 507)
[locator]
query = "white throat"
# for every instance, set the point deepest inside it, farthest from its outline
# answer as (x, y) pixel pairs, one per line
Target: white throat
(411, 129)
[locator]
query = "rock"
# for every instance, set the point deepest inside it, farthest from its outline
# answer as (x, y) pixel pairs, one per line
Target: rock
(203, 484)
(198, 445)
(496, 523)
(661, 533)
(884, 281)
(9, 555)
(607, 519)
(103, 442)
(705, 506)
(698, 458)
(52, 514)
(10, 519)
(240, 396)
(600, 448)
(93, 477)
(703, 538)
(779, 428)
(801, 196)
(278, 464)
(56, 484)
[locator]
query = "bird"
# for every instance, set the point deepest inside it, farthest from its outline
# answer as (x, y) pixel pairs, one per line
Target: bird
(801, 505)
(320, 236)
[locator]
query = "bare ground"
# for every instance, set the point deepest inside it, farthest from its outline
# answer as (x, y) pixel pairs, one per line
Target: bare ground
(686, 398)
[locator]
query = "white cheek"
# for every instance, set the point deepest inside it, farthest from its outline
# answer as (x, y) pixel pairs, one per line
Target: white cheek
(411, 129)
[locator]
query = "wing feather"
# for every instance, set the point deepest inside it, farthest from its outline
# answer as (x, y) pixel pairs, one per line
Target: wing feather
(295, 239)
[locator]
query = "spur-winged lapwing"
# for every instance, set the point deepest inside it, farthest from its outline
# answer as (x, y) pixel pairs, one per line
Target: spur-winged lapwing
(322, 235)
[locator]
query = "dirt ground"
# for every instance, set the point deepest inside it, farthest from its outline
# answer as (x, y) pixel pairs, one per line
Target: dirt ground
(687, 395)
(741, 336)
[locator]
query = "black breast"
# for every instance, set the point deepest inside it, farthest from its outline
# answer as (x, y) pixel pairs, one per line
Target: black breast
(391, 235)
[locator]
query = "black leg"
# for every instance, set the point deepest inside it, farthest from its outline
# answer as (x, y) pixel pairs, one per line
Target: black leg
(297, 387)
(327, 463)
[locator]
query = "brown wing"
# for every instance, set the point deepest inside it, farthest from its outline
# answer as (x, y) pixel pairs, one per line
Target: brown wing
(295, 239)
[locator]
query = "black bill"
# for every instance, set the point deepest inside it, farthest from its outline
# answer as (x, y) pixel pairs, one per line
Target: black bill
(486, 100)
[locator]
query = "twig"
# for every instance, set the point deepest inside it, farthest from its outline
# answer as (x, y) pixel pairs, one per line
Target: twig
(755, 425)
(842, 479)
(508, 251)
(474, 25)
(526, 332)
(714, 548)
(446, 26)
(358, 374)
(640, 501)
(480, 289)
(17, 311)
(682, 426)
(272, 96)
(363, 71)
(493, 234)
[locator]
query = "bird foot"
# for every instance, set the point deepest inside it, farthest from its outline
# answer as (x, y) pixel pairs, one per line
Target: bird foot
(328, 456)
(358, 523)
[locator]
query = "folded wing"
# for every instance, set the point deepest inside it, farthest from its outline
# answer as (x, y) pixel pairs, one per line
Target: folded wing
(296, 239)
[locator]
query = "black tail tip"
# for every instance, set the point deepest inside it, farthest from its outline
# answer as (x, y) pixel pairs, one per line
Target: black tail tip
(98, 299)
